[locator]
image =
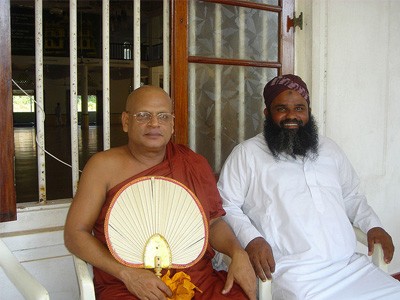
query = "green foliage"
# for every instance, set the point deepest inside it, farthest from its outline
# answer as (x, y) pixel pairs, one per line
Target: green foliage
(91, 103)
(23, 103)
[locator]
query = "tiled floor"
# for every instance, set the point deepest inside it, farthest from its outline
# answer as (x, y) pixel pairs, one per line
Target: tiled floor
(57, 142)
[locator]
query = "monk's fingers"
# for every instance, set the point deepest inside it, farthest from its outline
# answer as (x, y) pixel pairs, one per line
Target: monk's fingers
(228, 284)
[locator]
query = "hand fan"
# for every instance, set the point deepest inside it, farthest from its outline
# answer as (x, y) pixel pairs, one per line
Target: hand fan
(156, 222)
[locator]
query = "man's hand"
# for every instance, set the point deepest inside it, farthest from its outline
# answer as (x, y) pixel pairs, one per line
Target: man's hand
(241, 272)
(261, 257)
(145, 284)
(378, 235)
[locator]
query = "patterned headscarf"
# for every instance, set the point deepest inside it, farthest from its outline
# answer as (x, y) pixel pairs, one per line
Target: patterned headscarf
(282, 83)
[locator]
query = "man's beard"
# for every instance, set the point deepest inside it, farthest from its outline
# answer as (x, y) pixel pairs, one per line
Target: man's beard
(301, 142)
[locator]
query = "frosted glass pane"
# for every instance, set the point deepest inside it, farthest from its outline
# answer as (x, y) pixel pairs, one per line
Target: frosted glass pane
(239, 33)
(233, 79)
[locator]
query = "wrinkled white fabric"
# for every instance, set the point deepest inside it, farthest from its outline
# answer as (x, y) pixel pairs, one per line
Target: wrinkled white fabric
(305, 209)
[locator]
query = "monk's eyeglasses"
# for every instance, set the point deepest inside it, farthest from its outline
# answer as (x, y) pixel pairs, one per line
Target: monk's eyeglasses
(144, 117)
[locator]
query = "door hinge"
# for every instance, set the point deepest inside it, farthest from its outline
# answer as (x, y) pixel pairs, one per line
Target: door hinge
(294, 22)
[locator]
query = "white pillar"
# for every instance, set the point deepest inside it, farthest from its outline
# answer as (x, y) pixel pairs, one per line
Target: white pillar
(40, 115)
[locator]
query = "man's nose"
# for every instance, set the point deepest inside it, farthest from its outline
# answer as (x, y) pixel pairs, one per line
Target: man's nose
(291, 114)
(153, 121)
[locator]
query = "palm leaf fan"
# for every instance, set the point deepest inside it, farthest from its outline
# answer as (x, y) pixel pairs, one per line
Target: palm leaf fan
(156, 222)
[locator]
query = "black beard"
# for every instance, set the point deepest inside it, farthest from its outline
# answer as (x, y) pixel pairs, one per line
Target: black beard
(301, 142)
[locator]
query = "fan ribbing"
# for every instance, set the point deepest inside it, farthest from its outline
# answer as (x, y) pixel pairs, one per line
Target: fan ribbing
(156, 205)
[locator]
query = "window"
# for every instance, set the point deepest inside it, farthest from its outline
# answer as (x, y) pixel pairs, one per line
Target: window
(219, 96)
(235, 47)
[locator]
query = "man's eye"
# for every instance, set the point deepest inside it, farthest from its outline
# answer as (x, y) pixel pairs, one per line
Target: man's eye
(142, 115)
(163, 116)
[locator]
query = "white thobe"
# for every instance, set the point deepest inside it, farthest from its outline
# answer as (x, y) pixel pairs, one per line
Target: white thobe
(304, 209)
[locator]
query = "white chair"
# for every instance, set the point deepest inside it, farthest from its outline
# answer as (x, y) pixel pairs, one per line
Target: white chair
(25, 283)
(84, 273)
(264, 288)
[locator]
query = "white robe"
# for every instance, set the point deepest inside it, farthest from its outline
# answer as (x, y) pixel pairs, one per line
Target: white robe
(305, 210)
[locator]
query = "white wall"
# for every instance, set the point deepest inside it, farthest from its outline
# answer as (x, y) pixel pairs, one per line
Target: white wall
(348, 55)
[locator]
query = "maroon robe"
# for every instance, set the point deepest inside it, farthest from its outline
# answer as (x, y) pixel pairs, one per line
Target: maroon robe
(192, 170)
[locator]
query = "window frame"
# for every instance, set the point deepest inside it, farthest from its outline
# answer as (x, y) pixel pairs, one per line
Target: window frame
(8, 210)
(179, 53)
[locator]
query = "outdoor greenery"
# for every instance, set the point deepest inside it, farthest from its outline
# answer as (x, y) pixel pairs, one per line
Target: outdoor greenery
(91, 103)
(23, 103)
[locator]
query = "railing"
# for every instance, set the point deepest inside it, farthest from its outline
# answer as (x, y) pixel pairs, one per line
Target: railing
(124, 51)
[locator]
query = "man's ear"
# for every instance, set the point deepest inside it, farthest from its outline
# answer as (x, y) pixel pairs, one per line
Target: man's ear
(266, 112)
(125, 121)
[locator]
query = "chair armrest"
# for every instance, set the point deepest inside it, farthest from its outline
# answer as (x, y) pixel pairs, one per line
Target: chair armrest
(25, 283)
(264, 290)
(85, 279)
(377, 256)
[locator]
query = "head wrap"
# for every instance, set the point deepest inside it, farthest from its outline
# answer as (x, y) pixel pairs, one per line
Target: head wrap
(282, 83)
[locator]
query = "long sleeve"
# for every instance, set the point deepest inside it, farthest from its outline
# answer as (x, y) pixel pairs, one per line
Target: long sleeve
(357, 208)
(233, 186)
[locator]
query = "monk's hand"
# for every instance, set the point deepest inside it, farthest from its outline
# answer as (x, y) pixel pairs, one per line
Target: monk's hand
(378, 235)
(241, 272)
(144, 284)
(261, 257)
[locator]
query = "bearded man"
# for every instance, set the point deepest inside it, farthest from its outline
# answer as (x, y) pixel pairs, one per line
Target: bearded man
(292, 196)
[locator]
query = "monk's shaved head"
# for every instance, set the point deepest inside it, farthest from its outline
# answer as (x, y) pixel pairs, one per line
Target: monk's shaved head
(142, 93)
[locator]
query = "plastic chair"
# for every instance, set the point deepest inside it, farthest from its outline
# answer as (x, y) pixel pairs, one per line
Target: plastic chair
(264, 288)
(25, 283)
(84, 273)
